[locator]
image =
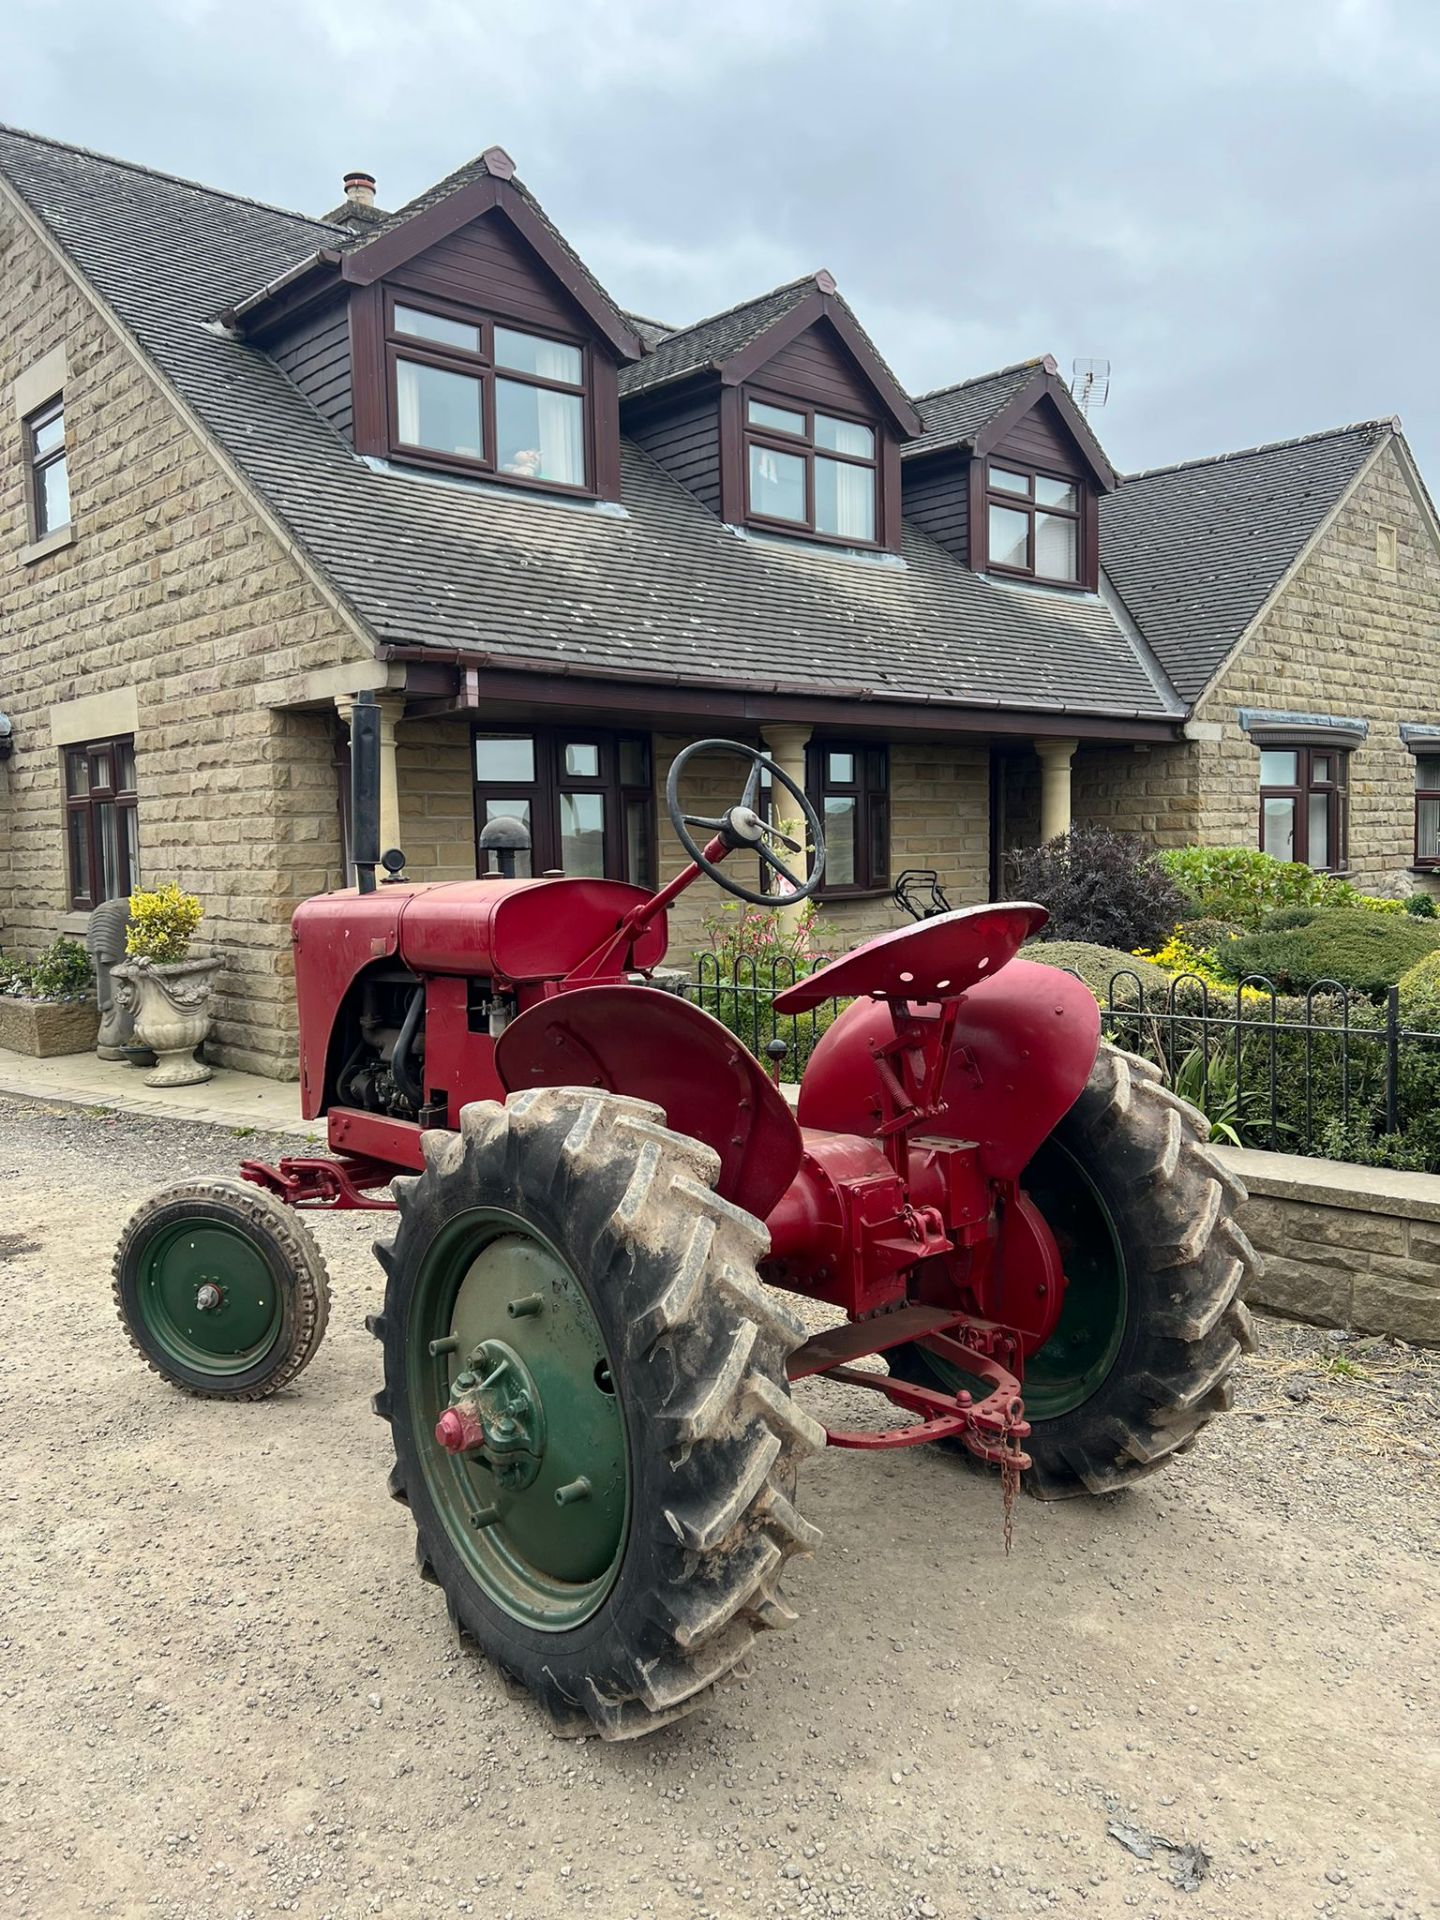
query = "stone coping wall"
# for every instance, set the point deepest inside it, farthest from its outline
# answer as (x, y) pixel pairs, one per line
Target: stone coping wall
(1343, 1245)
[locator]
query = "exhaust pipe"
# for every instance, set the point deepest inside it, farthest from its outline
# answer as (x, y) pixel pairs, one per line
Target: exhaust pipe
(365, 789)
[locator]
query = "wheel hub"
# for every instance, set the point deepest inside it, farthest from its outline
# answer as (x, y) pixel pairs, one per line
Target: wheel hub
(527, 1458)
(496, 1411)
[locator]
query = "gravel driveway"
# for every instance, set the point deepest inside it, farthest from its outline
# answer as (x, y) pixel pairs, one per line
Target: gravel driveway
(223, 1691)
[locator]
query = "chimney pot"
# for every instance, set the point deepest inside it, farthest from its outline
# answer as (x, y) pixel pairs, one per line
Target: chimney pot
(360, 189)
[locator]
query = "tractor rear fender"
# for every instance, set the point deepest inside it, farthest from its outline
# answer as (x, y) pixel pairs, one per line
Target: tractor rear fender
(1025, 1043)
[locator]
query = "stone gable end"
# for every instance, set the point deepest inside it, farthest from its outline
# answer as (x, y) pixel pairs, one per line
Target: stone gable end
(1346, 637)
(178, 600)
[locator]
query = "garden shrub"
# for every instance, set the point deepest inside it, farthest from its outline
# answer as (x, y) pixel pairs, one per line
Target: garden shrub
(1366, 951)
(1421, 905)
(63, 972)
(1286, 917)
(162, 924)
(1207, 934)
(754, 953)
(1417, 983)
(1097, 966)
(1239, 884)
(1104, 888)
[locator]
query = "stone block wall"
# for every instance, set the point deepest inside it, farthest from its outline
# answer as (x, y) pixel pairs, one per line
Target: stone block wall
(175, 599)
(1344, 1246)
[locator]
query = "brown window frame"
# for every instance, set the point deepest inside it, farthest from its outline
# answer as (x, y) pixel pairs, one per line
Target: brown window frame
(803, 447)
(37, 463)
(1336, 791)
(1429, 861)
(481, 367)
(551, 781)
(125, 800)
(870, 789)
(1027, 504)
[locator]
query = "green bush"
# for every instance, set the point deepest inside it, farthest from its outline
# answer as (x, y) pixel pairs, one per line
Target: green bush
(1421, 905)
(1420, 981)
(1366, 951)
(1239, 884)
(1209, 935)
(1097, 966)
(1104, 888)
(62, 972)
(1286, 917)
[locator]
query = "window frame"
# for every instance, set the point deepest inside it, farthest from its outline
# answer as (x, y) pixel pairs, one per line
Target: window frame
(481, 367)
(37, 463)
(550, 782)
(1336, 791)
(802, 446)
(123, 799)
(1027, 504)
(870, 789)
(1428, 862)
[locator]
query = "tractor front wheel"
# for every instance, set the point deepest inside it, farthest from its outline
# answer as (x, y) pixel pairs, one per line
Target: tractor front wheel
(585, 1385)
(1153, 1321)
(221, 1289)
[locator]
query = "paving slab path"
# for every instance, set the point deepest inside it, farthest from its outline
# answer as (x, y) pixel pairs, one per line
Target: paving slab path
(224, 1693)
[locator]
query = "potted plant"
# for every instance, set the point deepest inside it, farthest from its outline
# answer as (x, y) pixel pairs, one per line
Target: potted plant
(168, 993)
(47, 1006)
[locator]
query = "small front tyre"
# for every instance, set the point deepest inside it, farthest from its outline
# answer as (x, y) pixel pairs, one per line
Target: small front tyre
(221, 1289)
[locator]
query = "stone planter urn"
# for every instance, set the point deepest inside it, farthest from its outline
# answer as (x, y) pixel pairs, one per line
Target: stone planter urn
(171, 1008)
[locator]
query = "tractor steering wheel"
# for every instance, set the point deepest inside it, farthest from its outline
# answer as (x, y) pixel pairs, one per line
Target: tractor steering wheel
(742, 826)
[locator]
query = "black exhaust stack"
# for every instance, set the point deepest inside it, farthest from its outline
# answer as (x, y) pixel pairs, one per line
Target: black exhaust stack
(365, 789)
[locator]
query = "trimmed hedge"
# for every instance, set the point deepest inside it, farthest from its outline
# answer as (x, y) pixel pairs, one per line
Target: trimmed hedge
(1366, 951)
(1097, 966)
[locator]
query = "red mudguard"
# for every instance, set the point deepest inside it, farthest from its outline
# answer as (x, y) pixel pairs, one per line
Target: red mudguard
(1025, 1043)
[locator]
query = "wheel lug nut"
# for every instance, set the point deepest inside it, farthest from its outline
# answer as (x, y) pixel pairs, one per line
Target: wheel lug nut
(566, 1496)
(448, 1345)
(532, 1303)
(208, 1298)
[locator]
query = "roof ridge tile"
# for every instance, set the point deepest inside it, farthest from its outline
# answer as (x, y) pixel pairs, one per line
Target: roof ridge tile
(978, 379)
(1390, 421)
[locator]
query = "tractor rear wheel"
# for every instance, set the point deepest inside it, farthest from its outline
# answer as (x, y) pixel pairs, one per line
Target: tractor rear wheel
(221, 1289)
(1153, 1322)
(611, 1524)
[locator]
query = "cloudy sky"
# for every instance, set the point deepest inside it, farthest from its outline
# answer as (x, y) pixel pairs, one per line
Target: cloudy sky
(1234, 202)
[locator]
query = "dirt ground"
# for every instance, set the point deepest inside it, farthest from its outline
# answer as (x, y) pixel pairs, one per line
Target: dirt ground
(224, 1692)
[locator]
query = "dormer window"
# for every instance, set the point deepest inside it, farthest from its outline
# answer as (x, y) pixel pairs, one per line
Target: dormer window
(1033, 522)
(810, 472)
(469, 393)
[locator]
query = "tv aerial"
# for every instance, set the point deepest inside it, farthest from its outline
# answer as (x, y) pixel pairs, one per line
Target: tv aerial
(1090, 383)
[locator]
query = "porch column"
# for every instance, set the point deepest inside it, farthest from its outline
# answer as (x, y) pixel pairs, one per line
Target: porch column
(786, 744)
(392, 709)
(1055, 758)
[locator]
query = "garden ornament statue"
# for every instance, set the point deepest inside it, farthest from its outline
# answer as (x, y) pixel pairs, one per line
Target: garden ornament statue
(105, 944)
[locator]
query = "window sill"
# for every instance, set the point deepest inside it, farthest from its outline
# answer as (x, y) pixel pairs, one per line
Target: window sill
(52, 543)
(838, 899)
(1427, 869)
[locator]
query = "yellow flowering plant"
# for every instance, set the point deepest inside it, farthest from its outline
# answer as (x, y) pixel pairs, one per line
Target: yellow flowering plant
(162, 924)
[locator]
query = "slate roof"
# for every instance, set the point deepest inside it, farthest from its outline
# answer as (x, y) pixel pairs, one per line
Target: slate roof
(661, 592)
(1196, 549)
(705, 343)
(952, 416)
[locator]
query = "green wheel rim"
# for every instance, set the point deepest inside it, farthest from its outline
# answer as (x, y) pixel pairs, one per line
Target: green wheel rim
(1079, 1354)
(546, 1561)
(208, 1298)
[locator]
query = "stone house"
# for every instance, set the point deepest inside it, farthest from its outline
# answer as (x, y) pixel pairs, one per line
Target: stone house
(252, 463)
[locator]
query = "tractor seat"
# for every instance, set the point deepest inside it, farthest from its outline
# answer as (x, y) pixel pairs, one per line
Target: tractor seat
(937, 959)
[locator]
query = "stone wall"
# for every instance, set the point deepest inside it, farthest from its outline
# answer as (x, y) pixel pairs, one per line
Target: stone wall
(172, 602)
(1344, 1246)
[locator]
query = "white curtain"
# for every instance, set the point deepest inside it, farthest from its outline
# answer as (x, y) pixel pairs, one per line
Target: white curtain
(407, 395)
(854, 502)
(562, 438)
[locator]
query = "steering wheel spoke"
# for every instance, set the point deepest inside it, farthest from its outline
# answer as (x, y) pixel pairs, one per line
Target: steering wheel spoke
(743, 828)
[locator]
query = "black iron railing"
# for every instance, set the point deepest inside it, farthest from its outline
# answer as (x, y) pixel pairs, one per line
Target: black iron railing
(1326, 1072)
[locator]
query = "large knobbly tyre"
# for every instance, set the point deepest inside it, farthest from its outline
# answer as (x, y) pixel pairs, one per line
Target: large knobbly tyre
(570, 1247)
(221, 1289)
(1156, 1264)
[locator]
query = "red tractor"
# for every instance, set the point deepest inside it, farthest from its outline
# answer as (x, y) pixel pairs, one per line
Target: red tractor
(603, 1200)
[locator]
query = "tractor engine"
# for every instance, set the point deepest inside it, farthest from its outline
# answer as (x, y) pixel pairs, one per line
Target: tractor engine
(383, 1040)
